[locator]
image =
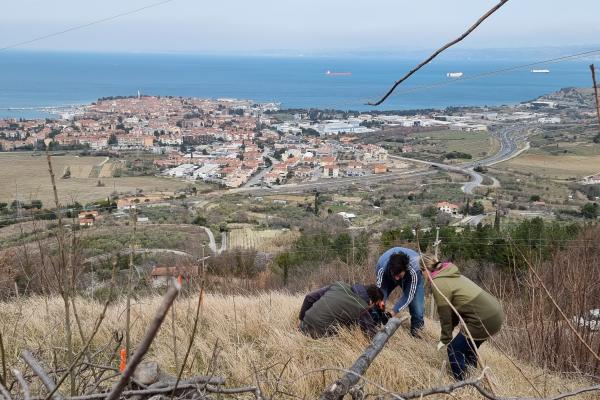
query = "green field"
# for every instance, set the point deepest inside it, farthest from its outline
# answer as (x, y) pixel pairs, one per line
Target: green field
(436, 144)
(568, 148)
(27, 176)
(554, 166)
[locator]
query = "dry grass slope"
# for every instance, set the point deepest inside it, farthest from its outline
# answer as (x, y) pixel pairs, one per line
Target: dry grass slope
(262, 240)
(28, 175)
(260, 331)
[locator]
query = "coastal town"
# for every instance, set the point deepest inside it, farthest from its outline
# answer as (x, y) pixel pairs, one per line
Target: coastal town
(235, 143)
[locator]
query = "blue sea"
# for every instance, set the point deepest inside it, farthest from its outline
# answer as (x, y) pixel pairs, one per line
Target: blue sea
(29, 80)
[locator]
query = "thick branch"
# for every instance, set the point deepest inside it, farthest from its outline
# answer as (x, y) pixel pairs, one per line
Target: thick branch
(168, 389)
(5, 394)
(24, 386)
(338, 389)
(37, 368)
(146, 341)
(440, 50)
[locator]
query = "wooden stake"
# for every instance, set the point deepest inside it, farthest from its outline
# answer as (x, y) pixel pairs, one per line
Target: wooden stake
(596, 94)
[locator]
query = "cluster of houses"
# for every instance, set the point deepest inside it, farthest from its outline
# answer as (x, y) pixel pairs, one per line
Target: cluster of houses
(232, 164)
(160, 123)
(591, 180)
(148, 122)
(316, 159)
(290, 158)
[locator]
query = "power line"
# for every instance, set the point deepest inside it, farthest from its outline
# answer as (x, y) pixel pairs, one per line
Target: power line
(77, 27)
(500, 71)
(439, 51)
(447, 240)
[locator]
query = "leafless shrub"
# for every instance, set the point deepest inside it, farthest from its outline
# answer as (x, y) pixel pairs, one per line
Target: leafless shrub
(535, 329)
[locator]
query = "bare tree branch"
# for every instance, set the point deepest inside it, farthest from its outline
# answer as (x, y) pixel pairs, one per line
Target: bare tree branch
(476, 383)
(164, 390)
(339, 388)
(37, 368)
(24, 386)
(168, 300)
(192, 336)
(560, 310)
(92, 335)
(596, 93)
(440, 50)
(5, 394)
(3, 361)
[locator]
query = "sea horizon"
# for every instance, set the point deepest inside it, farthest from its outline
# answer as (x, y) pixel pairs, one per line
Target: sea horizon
(31, 80)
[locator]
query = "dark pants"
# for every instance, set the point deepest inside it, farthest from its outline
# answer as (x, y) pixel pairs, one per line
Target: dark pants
(462, 356)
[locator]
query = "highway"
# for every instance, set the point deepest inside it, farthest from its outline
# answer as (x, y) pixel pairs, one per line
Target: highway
(510, 140)
(509, 145)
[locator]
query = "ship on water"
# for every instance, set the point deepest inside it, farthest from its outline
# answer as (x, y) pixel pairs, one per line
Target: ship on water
(332, 73)
(540, 71)
(454, 75)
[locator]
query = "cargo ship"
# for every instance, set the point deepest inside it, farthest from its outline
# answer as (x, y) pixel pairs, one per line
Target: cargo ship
(454, 75)
(540, 71)
(332, 73)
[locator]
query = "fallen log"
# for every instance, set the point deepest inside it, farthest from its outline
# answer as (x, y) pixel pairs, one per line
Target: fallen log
(340, 388)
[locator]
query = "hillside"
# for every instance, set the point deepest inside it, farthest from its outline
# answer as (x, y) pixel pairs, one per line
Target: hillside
(258, 332)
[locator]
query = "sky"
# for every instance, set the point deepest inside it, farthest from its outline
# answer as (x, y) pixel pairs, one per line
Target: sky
(293, 26)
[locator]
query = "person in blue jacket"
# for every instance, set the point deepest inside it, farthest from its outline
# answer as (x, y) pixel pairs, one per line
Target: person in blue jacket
(399, 266)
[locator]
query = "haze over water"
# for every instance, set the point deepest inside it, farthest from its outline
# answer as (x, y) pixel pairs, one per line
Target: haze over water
(39, 79)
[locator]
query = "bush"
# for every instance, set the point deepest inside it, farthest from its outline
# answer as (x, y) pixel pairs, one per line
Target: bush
(542, 336)
(477, 208)
(200, 220)
(457, 154)
(590, 210)
(429, 212)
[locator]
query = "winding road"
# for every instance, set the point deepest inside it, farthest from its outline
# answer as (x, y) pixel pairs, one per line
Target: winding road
(508, 136)
(510, 142)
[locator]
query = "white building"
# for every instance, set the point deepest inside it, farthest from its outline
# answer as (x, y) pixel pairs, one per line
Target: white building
(206, 171)
(181, 170)
(549, 120)
(447, 208)
(347, 216)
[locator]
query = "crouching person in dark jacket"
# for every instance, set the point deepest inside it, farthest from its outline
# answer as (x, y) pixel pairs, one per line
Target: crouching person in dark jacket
(340, 305)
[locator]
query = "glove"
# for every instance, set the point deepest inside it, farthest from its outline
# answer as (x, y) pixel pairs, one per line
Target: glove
(440, 346)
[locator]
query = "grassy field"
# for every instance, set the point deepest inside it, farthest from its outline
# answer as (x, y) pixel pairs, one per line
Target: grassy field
(28, 175)
(573, 148)
(263, 240)
(257, 337)
(478, 144)
(554, 166)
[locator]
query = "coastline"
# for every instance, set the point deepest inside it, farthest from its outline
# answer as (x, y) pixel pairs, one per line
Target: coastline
(34, 83)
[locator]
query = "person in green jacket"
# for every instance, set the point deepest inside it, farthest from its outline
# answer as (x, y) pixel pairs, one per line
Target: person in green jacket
(327, 309)
(481, 312)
